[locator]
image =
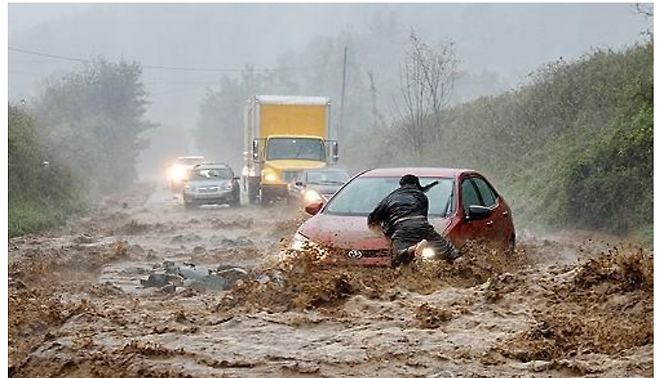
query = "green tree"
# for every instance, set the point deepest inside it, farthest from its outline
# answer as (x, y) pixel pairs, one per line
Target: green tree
(92, 119)
(41, 191)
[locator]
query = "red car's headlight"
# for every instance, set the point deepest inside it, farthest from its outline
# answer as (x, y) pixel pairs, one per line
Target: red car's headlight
(298, 242)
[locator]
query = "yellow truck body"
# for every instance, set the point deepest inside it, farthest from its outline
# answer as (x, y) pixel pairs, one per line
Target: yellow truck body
(282, 136)
(309, 120)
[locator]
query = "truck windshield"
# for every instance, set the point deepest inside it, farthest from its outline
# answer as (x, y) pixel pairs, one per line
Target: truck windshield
(295, 149)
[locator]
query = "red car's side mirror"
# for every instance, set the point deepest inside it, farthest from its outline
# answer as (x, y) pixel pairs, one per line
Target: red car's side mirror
(314, 208)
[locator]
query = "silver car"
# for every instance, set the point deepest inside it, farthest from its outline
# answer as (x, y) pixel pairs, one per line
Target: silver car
(314, 185)
(211, 184)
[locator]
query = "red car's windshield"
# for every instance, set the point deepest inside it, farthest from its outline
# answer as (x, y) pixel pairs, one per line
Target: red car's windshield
(362, 195)
(327, 177)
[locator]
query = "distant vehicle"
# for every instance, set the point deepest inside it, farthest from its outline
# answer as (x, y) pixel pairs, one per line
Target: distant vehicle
(314, 185)
(211, 184)
(282, 136)
(178, 171)
(463, 206)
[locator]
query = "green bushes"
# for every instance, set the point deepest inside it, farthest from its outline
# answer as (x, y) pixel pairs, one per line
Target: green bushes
(87, 125)
(596, 170)
(610, 184)
(573, 148)
(92, 120)
(39, 196)
(589, 160)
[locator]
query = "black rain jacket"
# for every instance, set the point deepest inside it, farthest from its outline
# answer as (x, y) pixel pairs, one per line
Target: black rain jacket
(403, 202)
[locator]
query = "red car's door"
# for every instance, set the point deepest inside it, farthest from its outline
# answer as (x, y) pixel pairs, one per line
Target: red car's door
(468, 229)
(474, 190)
(496, 223)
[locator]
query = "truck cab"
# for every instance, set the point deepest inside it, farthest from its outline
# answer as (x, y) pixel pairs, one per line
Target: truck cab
(284, 157)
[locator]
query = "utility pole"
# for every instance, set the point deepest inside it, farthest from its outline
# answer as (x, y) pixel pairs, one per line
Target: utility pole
(342, 94)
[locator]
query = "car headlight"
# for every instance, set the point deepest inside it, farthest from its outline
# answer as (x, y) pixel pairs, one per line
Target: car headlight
(428, 254)
(188, 188)
(298, 242)
(227, 185)
(312, 196)
(270, 177)
(177, 173)
(302, 245)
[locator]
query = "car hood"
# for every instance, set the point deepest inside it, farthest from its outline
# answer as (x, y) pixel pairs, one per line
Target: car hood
(351, 232)
(206, 183)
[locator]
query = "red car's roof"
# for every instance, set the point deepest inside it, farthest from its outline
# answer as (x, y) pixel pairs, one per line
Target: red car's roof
(418, 171)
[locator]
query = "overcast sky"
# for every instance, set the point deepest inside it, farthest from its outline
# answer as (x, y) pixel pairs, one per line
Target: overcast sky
(506, 41)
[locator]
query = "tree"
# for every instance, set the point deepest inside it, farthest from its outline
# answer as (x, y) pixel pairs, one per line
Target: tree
(427, 79)
(643, 9)
(92, 120)
(377, 118)
(218, 131)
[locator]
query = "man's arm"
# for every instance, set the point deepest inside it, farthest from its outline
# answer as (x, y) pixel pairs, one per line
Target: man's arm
(427, 188)
(378, 215)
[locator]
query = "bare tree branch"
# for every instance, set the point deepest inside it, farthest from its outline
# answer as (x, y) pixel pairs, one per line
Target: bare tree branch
(645, 9)
(426, 81)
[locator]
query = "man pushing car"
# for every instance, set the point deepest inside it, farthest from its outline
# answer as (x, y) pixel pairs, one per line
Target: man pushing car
(402, 217)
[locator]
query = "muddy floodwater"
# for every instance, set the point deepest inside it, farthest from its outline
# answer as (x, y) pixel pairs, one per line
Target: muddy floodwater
(124, 292)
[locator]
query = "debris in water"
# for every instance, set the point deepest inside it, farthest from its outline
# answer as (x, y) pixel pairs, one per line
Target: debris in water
(432, 317)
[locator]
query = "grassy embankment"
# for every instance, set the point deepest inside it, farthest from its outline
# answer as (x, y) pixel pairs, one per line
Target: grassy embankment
(39, 197)
(573, 149)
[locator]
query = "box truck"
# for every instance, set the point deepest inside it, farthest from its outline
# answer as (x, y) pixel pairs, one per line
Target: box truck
(283, 135)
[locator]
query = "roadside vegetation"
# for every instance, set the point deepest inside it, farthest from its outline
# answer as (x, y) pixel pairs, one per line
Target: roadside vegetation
(78, 141)
(572, 149)
(40, 196)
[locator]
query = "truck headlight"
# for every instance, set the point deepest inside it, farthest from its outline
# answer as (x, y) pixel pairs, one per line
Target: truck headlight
(312, 196)
(270, 177)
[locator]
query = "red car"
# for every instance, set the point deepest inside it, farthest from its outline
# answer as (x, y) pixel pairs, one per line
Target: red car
(463, 206)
